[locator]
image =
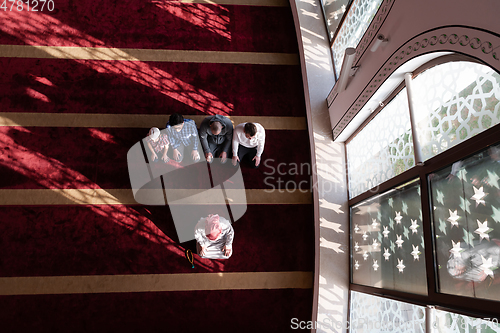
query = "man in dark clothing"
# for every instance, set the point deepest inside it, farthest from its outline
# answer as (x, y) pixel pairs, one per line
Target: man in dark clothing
(216, 134)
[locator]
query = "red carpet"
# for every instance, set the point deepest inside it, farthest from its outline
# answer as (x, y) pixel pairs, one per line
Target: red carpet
(230, 311)
(102, 240)
(154, 25)
(68, 86)
(35, 157)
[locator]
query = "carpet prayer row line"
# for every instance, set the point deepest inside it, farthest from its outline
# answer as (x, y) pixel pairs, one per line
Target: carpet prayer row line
(128, 87)
(152, 25)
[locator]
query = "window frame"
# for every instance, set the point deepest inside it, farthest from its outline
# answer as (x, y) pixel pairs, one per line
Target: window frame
(470, 306)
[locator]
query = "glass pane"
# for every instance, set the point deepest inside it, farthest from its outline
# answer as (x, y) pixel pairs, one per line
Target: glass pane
(356, 23)
(382, 149)
(371, 314)
(466, 218)
(449, 322)
(334, 12)
(387, 241)
(455, 101)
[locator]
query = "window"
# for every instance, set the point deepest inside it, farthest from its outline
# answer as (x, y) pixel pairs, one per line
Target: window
(334, 11)
(377, 314)
(466, 219)
(430, 232)
(388, 240)
(456, 101)
(379, 152)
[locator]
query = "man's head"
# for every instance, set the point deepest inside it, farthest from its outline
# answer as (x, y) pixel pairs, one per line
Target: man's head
(176, 121)
(216, 127)
(212, 227)
(154, 134)
(250, 130)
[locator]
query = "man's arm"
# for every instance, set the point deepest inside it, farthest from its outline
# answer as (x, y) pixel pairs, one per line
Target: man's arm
(261, 142)
(228, 136)
(204, 128)
(193, 131)
(236, 142)
(150, 147)
(153, 153)
(199, 235)
(171, 137)
(229, 236)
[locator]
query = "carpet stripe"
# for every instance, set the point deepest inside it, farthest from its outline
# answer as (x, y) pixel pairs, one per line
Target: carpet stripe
(106, 54)
(120, 240)
(132, 120)
(153, 283)
(134, 87)
(14, 197)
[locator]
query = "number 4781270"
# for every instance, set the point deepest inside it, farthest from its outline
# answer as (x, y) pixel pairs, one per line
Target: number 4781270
(29, 5)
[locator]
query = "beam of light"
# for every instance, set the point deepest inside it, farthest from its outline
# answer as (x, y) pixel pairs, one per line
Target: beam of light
(37, 95)
(100, 135)
(36, 167)
(330, 245)
(199, 15)
(42, 80)
(40, 29)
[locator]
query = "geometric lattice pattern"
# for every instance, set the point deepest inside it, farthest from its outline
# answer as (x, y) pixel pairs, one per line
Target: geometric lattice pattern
(466, 219)
(387, 247)
(449, 322)
(372, 314)
(455, 101)
(356, 23)
(382, 149)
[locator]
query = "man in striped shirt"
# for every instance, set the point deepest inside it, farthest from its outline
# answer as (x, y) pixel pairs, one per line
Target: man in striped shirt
(183, 133)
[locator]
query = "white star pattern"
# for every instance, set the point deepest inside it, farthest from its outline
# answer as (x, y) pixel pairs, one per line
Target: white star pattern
(356, 265)
(413, 226)
(375, 265)
(386, 254)
(456, 249)
(415, 253)
(479, 195)
(483, 230)
(486, 266)
(386, 232)
(398, 217)
(440, 197)
(399, 241)
(400, 266)
(453, 218)
(493, 179)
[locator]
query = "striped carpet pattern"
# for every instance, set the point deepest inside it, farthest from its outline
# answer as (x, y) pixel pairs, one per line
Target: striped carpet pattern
(84, 82)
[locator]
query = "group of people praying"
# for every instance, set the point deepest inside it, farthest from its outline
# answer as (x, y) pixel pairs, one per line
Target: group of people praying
(219, 139)
(216, 135)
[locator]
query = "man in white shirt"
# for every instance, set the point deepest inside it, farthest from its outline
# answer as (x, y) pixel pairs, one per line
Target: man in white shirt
(214, 237)
(248, 143)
